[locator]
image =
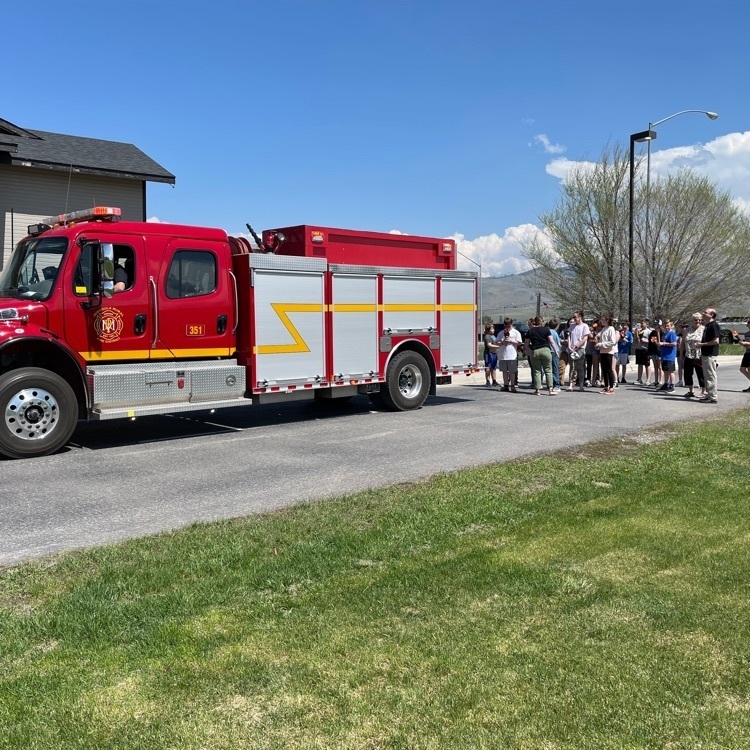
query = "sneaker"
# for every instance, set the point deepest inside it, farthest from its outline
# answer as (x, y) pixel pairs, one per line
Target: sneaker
(597, 384)
(689, 395)
(707, 401)
(624, 382)
(617, 385)
(680, 384)
(553, 392)
(587, 383)
(507, 388)
(610, 391)
(637, 382)
(670, 388)
(488, 384)
(513, 389)
(665, 387)
(581, 388)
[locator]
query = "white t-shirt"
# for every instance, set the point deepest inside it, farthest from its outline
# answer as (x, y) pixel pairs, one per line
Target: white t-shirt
(578, 336)
(508, 351)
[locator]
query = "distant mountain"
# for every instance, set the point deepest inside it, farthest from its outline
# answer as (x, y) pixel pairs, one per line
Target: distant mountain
(515, 296)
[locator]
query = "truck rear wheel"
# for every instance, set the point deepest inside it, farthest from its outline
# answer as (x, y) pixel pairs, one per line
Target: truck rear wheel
(38, 412)
(407, 382)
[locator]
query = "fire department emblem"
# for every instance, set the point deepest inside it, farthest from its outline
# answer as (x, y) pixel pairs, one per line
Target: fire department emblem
(108, 324)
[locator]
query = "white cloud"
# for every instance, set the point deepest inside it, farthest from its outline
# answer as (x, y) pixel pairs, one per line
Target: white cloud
(724, 160)
(499, 256)
(549, 148)
(154, 220)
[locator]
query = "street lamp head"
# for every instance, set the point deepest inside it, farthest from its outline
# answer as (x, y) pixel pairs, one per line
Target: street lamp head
(712, 115)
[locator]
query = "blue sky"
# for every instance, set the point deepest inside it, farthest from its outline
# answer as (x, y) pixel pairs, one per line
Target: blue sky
(435, 118)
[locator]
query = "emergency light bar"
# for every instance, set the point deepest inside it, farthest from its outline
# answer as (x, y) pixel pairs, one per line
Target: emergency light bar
(87, 214)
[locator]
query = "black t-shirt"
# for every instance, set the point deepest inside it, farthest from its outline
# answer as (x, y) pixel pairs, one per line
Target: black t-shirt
(711, 332)
(653, 343)
(537, 337)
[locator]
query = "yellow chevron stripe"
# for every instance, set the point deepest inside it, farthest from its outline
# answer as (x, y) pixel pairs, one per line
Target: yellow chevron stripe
(283, 309)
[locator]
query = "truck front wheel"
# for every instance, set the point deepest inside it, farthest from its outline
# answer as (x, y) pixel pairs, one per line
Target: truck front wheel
(407, 382)
(38, 412)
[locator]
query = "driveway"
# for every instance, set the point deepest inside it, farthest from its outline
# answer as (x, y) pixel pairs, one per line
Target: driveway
(119, 480)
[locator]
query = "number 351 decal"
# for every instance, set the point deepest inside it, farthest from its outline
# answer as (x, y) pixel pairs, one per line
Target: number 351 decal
(195, 330)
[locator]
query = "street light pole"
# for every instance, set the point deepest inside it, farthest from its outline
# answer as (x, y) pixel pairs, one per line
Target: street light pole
(651, 126)
(646, 135)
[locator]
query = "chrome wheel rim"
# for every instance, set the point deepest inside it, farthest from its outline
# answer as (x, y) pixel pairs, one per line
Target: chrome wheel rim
(31, 414)
(410, 381)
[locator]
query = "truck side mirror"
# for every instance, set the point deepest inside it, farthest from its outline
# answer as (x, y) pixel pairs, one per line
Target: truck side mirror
(107, 269)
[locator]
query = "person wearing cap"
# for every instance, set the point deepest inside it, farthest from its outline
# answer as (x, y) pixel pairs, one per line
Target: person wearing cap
(709, 351)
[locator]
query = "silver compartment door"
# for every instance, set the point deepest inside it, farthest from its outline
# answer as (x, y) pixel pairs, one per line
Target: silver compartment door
(409, 304)
(355, 326)
(458, 327)
(289, 326)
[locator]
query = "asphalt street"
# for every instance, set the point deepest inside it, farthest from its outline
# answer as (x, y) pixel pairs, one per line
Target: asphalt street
(118, 480)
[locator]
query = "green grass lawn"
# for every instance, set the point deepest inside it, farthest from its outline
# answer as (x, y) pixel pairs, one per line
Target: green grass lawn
(597, 598)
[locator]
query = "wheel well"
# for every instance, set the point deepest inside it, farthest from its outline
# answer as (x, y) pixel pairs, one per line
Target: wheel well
(48, 356)
(419, 348)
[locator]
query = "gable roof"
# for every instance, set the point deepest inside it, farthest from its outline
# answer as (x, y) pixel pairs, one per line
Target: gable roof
(38, 148)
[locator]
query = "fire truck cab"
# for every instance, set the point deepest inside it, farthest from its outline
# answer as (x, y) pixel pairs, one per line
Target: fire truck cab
(103, 319)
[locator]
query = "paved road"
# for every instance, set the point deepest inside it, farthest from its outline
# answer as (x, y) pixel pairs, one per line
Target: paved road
(124, 479)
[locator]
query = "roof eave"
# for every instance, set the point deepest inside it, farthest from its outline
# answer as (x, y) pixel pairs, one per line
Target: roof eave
(145, 177)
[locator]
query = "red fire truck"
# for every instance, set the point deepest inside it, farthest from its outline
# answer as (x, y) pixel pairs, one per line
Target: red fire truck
(108, 319)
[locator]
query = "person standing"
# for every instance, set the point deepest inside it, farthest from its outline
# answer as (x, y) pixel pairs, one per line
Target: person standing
(709, 351)
(490, 355)
(668, 356)
(510, 340)
(552, 325)
(641, 352)
(692, 355)
(565, 353)
(654, 353)
(745, 364)
(541, 344)
(607, 344)
(578, 336)
(623, 352)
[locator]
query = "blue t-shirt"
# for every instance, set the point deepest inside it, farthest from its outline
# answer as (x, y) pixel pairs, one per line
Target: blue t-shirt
(556, 339)
(623, 345)
(668, 353)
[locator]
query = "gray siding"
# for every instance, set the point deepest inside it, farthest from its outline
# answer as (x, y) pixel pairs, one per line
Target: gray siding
(33, 194)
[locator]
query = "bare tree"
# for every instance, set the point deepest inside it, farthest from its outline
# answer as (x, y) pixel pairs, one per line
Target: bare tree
(692, 245)
(581, 258)
(695, 249)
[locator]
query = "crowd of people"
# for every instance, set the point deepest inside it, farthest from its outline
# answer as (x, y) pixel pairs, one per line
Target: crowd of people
(668, 355)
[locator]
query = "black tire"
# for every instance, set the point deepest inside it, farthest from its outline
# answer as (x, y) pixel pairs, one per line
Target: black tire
(407, 382)
(38, 412)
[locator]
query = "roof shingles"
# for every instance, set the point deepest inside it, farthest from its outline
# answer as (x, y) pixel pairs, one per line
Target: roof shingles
(57, 151)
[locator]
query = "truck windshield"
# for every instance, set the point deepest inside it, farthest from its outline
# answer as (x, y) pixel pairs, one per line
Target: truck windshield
(33, 267)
